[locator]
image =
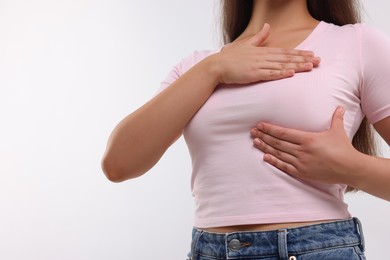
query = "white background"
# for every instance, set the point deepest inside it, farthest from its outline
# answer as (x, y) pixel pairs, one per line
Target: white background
(69, 71)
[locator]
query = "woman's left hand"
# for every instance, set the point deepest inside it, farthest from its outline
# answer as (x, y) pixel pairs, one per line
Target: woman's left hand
(322, 156)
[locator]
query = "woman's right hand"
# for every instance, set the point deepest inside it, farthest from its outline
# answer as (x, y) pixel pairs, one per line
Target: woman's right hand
(246, 61)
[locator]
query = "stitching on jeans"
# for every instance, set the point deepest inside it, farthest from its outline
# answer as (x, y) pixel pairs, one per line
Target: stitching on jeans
(325, 249)
(359, 252)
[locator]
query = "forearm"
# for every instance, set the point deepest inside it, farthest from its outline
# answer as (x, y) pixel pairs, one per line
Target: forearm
(140, 139)
(372, 175)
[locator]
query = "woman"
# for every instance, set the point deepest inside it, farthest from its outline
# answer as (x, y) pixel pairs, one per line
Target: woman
(246, 208)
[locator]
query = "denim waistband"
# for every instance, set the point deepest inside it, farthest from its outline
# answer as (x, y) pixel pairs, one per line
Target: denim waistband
(281, 242)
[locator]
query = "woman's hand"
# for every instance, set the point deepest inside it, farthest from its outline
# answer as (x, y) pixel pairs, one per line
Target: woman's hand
(323, 156)
(245, 61)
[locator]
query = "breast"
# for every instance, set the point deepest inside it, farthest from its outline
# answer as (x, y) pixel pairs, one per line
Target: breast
(305, 101)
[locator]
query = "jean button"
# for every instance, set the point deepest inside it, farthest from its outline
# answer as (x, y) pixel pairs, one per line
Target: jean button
(292, 258)
(235, 245)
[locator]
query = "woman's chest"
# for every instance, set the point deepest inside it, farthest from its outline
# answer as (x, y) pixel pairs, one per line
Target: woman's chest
(305, 101)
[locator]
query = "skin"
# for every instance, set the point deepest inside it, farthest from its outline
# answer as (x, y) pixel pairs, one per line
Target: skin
(276, 13)
(327, 157)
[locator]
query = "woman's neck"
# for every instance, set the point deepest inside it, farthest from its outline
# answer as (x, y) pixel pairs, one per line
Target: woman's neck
(282, 15)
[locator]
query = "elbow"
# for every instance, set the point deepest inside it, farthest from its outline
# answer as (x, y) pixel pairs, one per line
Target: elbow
(110, 171)
(113, 171)
(118, 172)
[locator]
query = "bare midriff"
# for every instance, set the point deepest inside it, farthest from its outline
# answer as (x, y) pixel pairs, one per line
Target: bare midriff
(262, 227)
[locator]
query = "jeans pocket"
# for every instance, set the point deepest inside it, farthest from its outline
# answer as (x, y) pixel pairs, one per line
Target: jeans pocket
(339, 253)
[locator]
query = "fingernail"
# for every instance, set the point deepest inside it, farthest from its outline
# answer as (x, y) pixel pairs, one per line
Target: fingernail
(260, 126)
(267, 157)
(341, 110)
(253, 132)
(290, 72)
(257, 141)
(316, 59)
(309, 65)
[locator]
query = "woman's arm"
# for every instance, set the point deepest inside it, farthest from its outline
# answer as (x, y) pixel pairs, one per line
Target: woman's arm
(327, 156)
(140, 139)
(374, 172)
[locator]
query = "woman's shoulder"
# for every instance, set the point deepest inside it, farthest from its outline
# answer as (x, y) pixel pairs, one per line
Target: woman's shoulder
(361, 29)
(184, 65)
(358, 35)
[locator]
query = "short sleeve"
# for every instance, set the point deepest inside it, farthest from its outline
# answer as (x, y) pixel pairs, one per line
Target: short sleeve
(375, 62)
(183, 66)
(172, 76)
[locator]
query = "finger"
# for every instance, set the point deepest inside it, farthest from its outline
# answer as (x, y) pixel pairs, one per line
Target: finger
(281, 165)
(286, 134)
(253, 132)
(269, 144)
(288, 58)
(338, 118)
(270, 74)
(297, 67)
(268, 149)
(260, 37)
(297, 63)
(293, 52)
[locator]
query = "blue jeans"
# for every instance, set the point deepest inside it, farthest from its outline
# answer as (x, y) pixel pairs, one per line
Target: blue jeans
(338, 240)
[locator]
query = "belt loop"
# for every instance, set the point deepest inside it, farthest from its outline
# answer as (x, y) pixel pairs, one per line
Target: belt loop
(282, 244)
(360, 231)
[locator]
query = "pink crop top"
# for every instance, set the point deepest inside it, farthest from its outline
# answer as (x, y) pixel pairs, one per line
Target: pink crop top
(231, 184)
